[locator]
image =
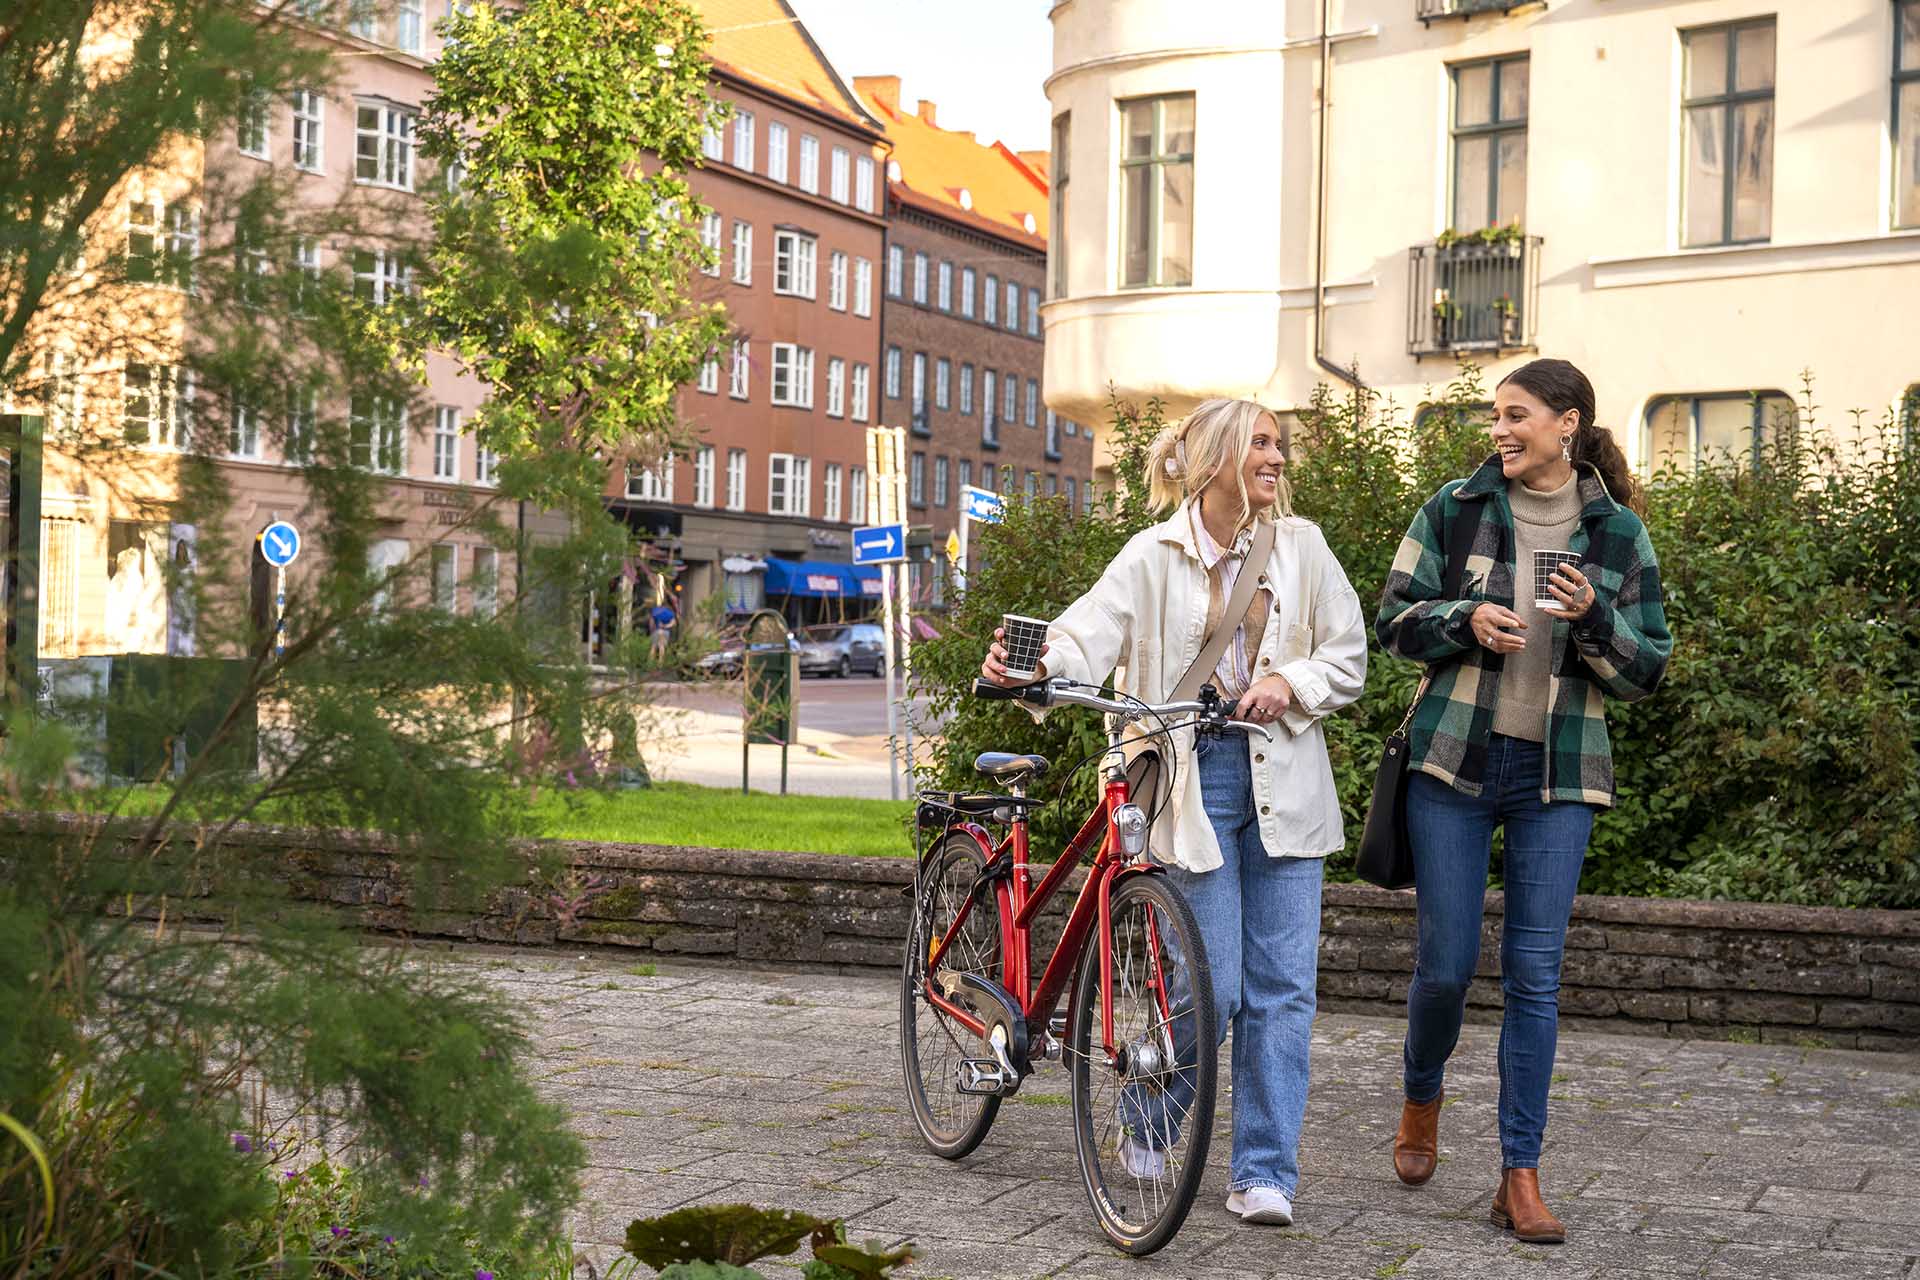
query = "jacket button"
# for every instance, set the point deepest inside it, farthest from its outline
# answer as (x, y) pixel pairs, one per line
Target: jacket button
(1266, 662)
(1266, 809)
(1259, 759)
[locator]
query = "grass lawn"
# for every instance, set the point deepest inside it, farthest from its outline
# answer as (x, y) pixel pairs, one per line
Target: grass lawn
(722, 818)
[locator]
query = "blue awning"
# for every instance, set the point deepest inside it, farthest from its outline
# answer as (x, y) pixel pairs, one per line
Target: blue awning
(822, 578)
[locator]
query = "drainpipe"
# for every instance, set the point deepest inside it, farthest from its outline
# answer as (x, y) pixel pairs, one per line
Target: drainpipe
(1321, 159)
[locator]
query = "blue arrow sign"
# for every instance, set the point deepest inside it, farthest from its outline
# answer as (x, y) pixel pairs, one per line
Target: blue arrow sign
(279, 544)
(877, 544)
(983, 505)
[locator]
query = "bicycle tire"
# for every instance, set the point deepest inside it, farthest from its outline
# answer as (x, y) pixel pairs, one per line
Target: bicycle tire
(1163, 1203)
(948, 1132)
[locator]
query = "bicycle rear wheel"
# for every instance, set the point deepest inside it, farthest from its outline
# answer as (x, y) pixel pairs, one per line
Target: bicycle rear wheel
(932, 1044)
(1142, 1127)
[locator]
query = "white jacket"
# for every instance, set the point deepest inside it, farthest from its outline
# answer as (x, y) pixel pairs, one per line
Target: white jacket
(1147, 616)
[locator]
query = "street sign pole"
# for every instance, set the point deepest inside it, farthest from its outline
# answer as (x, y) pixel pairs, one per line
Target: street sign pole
(877, 457)
(906, 601)
(279, 546)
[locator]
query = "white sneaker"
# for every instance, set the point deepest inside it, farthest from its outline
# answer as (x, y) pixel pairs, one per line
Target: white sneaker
(1261, 1204)
(1142, 1161)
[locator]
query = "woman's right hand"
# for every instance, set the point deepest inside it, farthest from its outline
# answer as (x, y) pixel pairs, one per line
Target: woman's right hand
(1498, 629)
(994, 669)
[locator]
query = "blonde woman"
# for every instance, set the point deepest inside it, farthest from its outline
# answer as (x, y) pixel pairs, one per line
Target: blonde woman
(1248, 822)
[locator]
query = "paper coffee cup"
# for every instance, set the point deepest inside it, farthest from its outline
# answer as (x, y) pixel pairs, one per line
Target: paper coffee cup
(1544, 563)
(1023, 637)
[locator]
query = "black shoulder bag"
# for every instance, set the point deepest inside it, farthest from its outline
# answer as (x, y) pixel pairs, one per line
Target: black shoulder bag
(1385, 857)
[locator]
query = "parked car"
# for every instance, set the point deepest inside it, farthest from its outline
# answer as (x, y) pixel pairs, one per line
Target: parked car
(841, 649)
(724, 662)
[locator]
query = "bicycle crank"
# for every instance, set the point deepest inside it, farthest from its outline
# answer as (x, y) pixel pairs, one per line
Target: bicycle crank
(1006, 1028)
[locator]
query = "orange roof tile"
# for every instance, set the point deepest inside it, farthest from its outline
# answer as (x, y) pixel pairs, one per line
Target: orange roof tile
(764, 43)
(953, 174)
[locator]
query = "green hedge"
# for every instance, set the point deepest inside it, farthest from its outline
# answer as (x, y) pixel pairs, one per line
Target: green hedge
(1780, 761)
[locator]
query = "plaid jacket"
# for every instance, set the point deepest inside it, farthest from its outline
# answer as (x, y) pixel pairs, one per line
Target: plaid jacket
(1620, 648)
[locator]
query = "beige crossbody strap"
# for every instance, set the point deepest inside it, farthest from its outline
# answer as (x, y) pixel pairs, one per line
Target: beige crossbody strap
(1233, 614)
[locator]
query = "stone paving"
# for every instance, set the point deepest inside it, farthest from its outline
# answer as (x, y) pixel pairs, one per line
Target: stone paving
(1664, 1157)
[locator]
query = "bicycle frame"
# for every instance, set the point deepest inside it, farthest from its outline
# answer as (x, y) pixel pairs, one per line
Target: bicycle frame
(1021, 903)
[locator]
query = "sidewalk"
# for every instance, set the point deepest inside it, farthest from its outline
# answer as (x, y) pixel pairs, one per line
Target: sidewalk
(1664, 1157)
(694, 744)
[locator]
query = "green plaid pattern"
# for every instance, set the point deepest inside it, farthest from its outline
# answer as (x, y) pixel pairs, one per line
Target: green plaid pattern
(1619, 649)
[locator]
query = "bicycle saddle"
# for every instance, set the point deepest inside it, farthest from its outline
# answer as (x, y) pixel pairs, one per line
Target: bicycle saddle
(1005, 764)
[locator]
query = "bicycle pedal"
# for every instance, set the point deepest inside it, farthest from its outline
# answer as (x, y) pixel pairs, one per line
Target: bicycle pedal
(982, 1076)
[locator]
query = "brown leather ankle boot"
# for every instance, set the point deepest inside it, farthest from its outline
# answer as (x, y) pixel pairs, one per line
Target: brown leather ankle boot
(1416, 1148)
(1518, 1208)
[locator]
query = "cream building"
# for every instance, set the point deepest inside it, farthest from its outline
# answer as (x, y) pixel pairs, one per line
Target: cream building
(1222, 225)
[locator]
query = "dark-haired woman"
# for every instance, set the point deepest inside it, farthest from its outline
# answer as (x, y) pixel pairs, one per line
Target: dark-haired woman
(1511, 731)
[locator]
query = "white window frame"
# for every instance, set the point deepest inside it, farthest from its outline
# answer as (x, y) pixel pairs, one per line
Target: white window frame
(863, 184)
(172, 236)
(989, 406)
(703, 476)
(743, 140)
(386, 276)
(303, 417)
(890, 374)
(777, 151)
(860, 410)
(837, 281)
(990, 300)
(710, 375)
(168, 393)
(243, 431)
(309, 131)
(443, 575)
(1033, 313)
(789, 485)
(942, 475)
(966, 389)
(382, 421)
(1013, 307)
(917, 479)
(791, 380)
(409, 26)
(485, 579)
(385, 146)
(966, 292)
(856, 495)
(795, 263)
(896, 271)
(841, 167)
(253, 128)
(918, 401)
(862, 287)
(713, 141)
(1033, 403)
(920, 279)
(713, 229)
(830, 498)
(943, 293)
(808, 179)
(742, 252)
(1009, 398)
(736, 479)
(836, 387)
(943, 383)
(652, 484)
(486, 464)
(446, 443)
(740, 371)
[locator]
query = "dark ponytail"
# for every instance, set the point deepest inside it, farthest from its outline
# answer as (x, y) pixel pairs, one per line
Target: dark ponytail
(1562, 387)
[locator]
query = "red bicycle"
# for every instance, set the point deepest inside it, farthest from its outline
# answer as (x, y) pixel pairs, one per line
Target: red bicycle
(1139, 1034)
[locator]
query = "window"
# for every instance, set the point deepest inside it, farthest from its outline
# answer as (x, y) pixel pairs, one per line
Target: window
(1053, 485)
(1068, 483)
(710, 375)
(408, 22)
(445, 559)
(1033, 313)
(862, 375)
(252, 132)
(990, 301)
(1910, 416)
(989, 408)
(711, 229)
(1906, 114)
(1156, 185)
(713, 141)
(941, 468)
(1033, 484)
(375, 433)
(988, 474)
(736, 479)
(966, 292)
(863, 184)
(1686, 430)
(485, 463)
(737, 371)
(892, 373)
(788, 487)
(944, 296)
(830, 500)
(857, 495)
(243, 431)
(1728, 197)
(917, 480)
(943, 383)
(896, 269)
(1489, 143)
(360, 19)
(1033, 403)
(703, 476)
(743, 140)
(966, 388)
(809, 164)
(837, 281)
(250, 269)
(919, 390)
(836, 387)
(966, 472)
(1010, 398)
(651, 484)
(1053, 435)
(792, 375)
(446, 443)
(162, 242)
(1086, 499)
(920, 278)
(776, 151)
(303, 416)
(486, 582)
(379, 276)
(158, 401)
(309, 131)
(1057, 215)
(383, 145)
(862, 287)
(1013, 306)
(838, 175)
(793, 264)
(61, 396)
(742, 252)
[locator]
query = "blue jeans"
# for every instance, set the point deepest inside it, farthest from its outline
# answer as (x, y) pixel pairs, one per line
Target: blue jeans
(1259, 919)
(1452, 837)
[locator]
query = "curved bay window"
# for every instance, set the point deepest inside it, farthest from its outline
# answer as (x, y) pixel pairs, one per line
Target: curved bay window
(1156, 191)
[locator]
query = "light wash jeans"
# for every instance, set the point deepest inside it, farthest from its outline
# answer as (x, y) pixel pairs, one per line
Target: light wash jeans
(1452, 837)
(1259, 919)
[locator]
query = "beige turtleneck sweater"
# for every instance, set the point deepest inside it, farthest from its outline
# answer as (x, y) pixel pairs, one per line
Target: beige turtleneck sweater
(1541, 522)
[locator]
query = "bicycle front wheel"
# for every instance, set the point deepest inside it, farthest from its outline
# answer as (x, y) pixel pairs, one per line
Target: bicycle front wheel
(932, 1044)
(1142, 1125)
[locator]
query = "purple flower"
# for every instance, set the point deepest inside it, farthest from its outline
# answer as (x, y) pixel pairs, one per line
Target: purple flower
(340, 1233)
(387, 1239)
(243, 1144)
(483, 1275)
(423, 1182)
(291, 1174)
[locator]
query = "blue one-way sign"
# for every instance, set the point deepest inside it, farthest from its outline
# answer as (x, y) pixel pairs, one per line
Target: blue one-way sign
(279, 544)
(982, 504)
(879, 543)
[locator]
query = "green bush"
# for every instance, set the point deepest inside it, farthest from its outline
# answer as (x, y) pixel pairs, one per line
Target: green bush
(1777, 763)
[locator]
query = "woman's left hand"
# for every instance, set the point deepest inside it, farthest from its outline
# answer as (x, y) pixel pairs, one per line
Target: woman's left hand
(1576, 595)
(1266, 701)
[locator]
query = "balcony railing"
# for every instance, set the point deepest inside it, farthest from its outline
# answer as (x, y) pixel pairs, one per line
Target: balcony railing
(1472, 295)
(1428, 10)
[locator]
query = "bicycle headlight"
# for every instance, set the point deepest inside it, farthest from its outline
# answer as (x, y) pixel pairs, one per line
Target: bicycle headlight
(1130, 824)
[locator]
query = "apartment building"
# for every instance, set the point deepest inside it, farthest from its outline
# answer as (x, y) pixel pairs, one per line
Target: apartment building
(962, 364)
(763, 506)
(1694, 200)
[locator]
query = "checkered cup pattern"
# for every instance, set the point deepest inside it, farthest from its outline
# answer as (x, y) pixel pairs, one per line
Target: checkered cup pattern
(1024, 637)
(1544, 563)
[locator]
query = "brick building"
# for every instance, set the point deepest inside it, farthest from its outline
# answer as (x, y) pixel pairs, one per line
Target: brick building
(965, 271)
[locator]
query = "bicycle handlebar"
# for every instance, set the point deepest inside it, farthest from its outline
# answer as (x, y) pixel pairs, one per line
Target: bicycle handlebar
(1209, 710)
